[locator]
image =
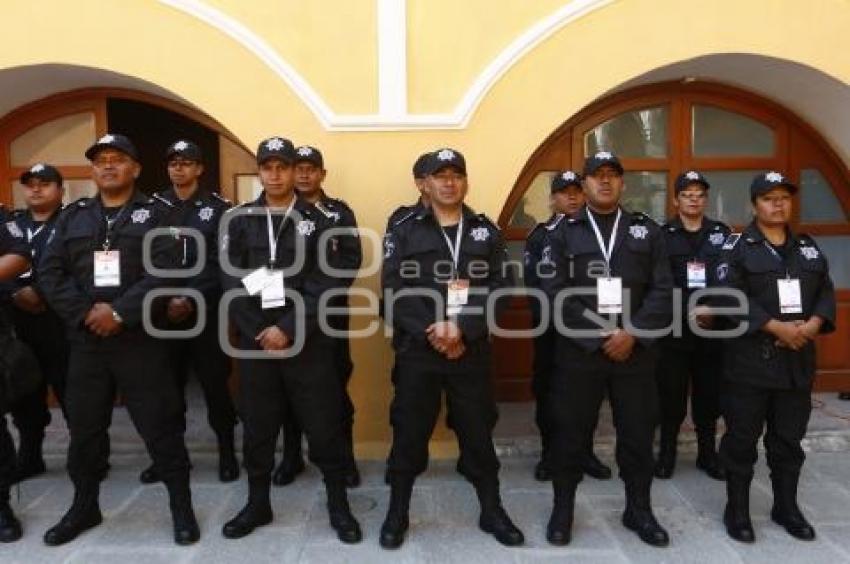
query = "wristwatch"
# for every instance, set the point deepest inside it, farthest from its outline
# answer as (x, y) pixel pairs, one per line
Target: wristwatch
(116, 317)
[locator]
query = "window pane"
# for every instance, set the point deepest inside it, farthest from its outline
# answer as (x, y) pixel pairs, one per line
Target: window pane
(729, 197)
(646, 192)
(62, 141)
(818, 203)
(720, 133)
(837, 251)
(248, 188)
(640, 133)
(533, 208)
(74, 190)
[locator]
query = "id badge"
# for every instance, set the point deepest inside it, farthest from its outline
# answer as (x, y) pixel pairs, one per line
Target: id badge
(107, 269)
(273, 294)
(458, 296)
(609, 295)
(790, 299)
(696, 274)
(256, 281)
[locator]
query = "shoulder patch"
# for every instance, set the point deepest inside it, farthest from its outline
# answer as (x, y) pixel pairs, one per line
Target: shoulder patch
(731, 241)
(484, 219)
(82, 202)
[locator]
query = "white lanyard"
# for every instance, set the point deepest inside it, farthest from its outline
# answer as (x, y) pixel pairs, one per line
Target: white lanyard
(606, 253)
(272, 239)
(31, 234)
(455, 251)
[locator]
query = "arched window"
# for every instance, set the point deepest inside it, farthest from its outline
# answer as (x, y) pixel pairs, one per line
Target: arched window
(730, 135)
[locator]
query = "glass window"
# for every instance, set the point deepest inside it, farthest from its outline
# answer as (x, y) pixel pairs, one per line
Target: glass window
(646, 192)
(534, 208)
(635, 134)
(837, 251)
(74, 190)
(818, 203)
(721, 133)
(62, 141)
(729, 196)
(248, 188)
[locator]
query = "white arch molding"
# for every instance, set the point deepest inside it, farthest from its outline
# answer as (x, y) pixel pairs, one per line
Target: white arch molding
(392, 65)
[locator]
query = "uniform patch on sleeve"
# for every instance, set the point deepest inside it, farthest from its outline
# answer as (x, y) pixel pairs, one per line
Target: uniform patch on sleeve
(14, 230)
(722, 271)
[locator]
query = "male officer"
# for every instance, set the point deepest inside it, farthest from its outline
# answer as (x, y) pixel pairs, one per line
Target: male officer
(94, 278)
(612, 263)
(14, 260)
(36, 324)
(693, 244)
(566, 198)
(346, 255)
(770, 369)
(422, 202)
(445, 250)
(200, 210)
(273, 242)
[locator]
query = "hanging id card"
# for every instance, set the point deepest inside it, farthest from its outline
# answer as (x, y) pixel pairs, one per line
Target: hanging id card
(696, 274)
(457, 297)
(107, 269)
(790, 299)
(609, 295)
(256, 281)
(274, 294)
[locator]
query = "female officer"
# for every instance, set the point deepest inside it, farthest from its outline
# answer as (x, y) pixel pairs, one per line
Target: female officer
(770, 368)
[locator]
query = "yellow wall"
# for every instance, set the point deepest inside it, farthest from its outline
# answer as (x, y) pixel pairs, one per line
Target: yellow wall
(448, 45)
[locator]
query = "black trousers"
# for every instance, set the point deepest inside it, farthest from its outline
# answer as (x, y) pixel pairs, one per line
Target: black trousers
(578, 386)
(137, 367)
(309, 384)
(203, 357)
(45, 335)
(749, 411)
(699, 368)
(7, 459)
(421, 375)
(542, 368)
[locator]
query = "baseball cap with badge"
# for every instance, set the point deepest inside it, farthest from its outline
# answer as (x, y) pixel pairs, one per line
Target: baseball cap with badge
(690, 177)
(445, 158)
(42, 171)
(564, 179)
(308, 154)
(765, 182)
(186, 150)
(420, 165)
(276, 148)
(113, 141)
(600, 159)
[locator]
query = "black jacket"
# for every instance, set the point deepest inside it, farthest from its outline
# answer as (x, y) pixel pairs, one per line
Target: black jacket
(752, 268)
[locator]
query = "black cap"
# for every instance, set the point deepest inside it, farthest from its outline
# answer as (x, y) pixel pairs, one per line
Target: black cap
(765, 182)
(306, 153)
(276, 148)
(690, 177)
(113, 141)
(564, 179)
(42, 171)
(444, 158)
(185, 149)
(420, 165)
(600, 159)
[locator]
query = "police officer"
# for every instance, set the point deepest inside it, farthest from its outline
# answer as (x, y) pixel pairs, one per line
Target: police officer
(36, 324)
(402, 212)
(693, 243)
(769, 370)
(566, 198)
(449, 251)
(200, 210)
(94, 278)
(14, 260)
(346, 255)
(611, 263)
(274, 244)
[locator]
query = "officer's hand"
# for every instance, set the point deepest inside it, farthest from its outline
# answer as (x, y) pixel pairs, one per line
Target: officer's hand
(703, 316)
(446, 332)
(811, 328)
(179, 308)
(456, 351)
(272, 339)
(788, 334)
(101, 322)
(28, 300)
(619, 346)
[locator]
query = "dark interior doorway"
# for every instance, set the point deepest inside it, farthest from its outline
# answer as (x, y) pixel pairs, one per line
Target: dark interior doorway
(153, 129)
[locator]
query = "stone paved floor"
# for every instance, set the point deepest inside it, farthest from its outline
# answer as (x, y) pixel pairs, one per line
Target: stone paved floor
(444, 511)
